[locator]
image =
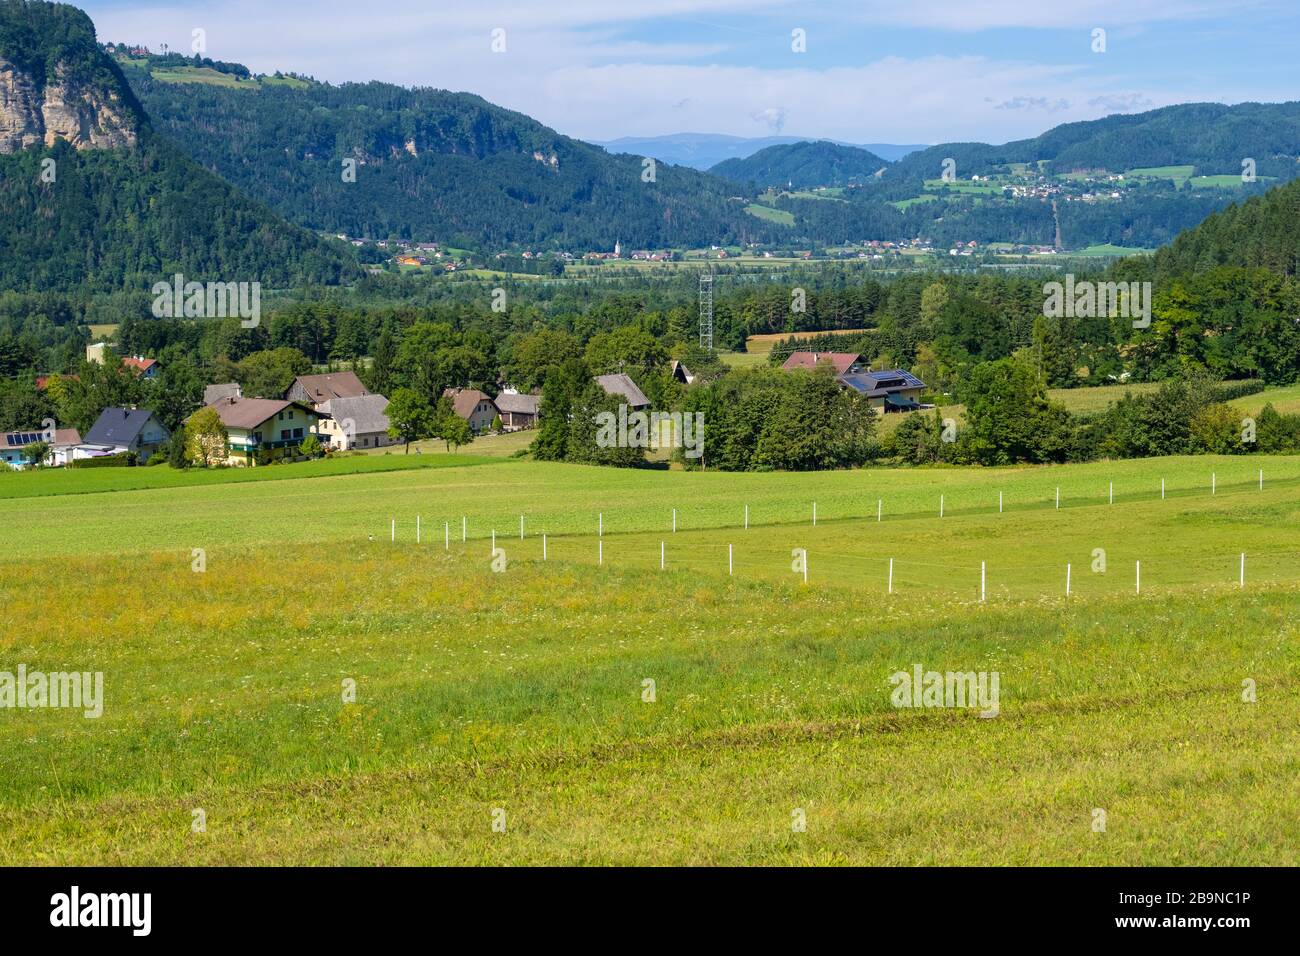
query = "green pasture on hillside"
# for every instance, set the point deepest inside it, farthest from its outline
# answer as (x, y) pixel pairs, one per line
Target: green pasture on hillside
(524, 690)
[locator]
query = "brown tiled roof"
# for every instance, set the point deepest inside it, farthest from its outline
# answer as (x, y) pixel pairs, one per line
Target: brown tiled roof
(250, 412)
(840, 361)
(465, 400)
(321, 388)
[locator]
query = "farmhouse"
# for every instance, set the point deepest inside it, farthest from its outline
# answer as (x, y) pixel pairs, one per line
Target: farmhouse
(893, 390)
(215, 393)
(474, 406)
(316, 390)
(842, 362)
(119, 430)
(360, 422)
(517, 411)
(271, 426)
(623, 386)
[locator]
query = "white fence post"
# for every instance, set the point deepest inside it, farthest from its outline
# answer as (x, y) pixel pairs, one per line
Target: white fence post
(1058, 497)
(880, 504)
(730, 565)
(999, 502)
(394, 528)
(661, 555)
(746, 517)
(464, 528)
(521, 527)
(1137, 577)
(941, 506)
(1241, 578)
(1067, 580)
(543, 546)
(417, 529)
(891, 575)
(446, 535)
(981, 580)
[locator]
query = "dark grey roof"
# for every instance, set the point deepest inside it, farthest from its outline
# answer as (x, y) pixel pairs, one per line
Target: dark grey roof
(519, 404)
(622, 385)
(366, 412)
(876, 384)
(118, 426)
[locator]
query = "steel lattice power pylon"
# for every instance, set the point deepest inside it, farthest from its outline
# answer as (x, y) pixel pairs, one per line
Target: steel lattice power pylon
(706, 311)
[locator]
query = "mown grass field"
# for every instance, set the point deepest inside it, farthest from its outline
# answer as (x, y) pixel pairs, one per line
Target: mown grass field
(522, 690)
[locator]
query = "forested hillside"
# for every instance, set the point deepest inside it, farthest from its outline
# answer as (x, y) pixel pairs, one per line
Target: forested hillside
(1263, 231)
(435, 165)
(802, 166)
(93, 201)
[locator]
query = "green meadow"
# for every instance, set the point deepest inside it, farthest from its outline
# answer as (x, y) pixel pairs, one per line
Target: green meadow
(613, 711)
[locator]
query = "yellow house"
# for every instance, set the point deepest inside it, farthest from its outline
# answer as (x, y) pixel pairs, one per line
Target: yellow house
(272, 426)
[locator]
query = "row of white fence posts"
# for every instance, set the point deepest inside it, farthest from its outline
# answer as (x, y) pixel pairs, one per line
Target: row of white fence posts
(600, 550)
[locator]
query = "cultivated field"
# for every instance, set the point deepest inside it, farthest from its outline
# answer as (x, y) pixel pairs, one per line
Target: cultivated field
(522, 690)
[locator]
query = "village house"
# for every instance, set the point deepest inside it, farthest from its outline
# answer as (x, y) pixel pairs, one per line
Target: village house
(842, 362)
(316, 390)
(518, 411)
(215, 393)
(474, 406)
(892, 390)
(681, 373)
(14, 444)
(360, 422)
(121, 430)
(623, 386)
(271, 426)
(143, 367)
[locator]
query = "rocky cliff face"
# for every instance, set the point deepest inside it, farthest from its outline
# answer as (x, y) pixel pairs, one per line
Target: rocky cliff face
(86, 117)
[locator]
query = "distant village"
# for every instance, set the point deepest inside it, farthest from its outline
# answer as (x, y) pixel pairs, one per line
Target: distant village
(329, 412)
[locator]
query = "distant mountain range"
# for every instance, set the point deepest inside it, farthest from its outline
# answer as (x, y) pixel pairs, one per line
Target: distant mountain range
(172, 163)
(705, 150)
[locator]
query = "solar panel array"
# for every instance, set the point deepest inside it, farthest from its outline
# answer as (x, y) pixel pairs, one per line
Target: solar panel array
(19, 439)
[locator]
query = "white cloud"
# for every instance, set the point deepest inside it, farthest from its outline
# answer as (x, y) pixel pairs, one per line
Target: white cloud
(601, 69)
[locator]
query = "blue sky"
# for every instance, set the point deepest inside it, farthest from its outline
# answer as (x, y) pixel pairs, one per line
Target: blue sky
(901, 72)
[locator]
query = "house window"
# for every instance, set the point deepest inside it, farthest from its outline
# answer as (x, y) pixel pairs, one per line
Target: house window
(297, 433)
(282, 416)
(284, 434)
